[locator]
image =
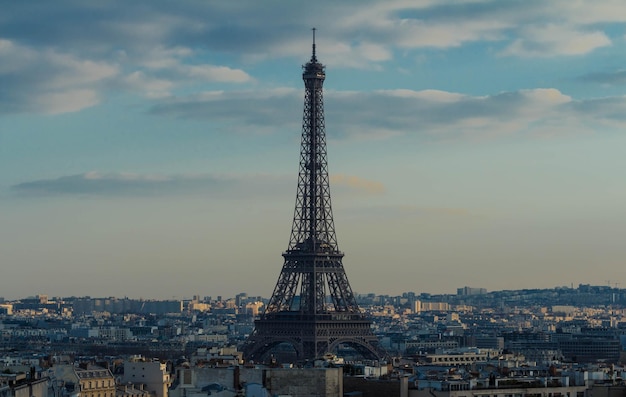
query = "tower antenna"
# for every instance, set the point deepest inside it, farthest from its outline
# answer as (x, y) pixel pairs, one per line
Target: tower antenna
(314, 58)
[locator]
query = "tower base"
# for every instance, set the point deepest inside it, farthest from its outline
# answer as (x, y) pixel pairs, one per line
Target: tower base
(312, 336)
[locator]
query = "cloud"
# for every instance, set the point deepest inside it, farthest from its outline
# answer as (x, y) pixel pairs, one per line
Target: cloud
(179, 65)
(528, 29)
(97, 49)
(48, 81)
(215, 73)
(610, 110)
(95, 184)
(369, 31)
(357, 184)
(156, 48)
(151, 87)
(100, 184)
(241, 111)
(444, 115)
(617, 77)
(65, 101)
(385, 114)
(553, 40)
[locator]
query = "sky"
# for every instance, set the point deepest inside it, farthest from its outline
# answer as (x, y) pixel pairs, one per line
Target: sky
(150, 148)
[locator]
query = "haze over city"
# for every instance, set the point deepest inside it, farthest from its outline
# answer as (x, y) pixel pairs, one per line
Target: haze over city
(150, 149)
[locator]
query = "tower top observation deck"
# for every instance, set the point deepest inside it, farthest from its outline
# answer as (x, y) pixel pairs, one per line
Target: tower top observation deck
(313, 69)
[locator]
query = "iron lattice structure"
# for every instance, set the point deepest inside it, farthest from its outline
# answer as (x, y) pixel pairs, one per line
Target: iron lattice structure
(312, 307)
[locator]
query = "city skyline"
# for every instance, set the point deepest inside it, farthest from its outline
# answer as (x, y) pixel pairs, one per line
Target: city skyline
(151, 149)
(466, 292)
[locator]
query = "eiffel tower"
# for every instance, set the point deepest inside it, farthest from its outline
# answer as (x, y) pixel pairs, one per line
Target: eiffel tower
(312, 307)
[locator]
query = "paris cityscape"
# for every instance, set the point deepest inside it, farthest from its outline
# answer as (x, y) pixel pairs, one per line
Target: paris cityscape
(143, 152)
(559, 340)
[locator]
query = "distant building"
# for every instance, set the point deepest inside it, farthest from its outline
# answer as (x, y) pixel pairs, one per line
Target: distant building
(565, 310)
(461, 357)
(5, 390)
(310, 382)
(152, 374)
(367, 387)
(421, 306)
(431, 345)
(253, 308)
(504, 388)
(485, 341)
(586, 349)
(90, 382)
(217, 356)
(6, 308)
(466, 291)
(129, 390)
(22, 385)
(195, 306)
(88, 305)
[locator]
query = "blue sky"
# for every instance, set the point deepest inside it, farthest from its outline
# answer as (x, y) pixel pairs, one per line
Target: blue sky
(150, 148)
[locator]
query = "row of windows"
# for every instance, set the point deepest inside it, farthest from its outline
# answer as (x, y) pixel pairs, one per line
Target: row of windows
(97, 383)
(566, 394)
(99, 394)
(458, 358)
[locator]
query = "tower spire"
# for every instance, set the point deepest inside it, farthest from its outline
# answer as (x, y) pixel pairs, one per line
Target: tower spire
(313, 57)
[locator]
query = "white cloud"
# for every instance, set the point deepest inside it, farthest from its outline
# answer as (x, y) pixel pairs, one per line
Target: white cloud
(173, 63)
(387, 114)
(150, 87)
(156, 47)
(548, 96)
(215, 73)
(588, 13)
(76, 72)
(160, 57)
(374, 52)
(533, 28)
(417, 33)
(49, 81)
(96, 183)
(14, 58)
(430, 95)
(554, 40)
(438, 113)
(241, 111)
(65, 101)
(357, 184)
